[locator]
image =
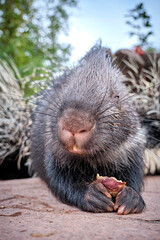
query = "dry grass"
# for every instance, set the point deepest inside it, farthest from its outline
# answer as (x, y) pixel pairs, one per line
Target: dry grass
(144, 87)
(147, 87)
(14, 116)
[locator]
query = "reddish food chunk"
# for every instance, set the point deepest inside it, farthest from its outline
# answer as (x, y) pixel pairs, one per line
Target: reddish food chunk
(112, 185)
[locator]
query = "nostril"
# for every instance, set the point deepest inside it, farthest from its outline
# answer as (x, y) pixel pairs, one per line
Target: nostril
(83, 131)
(86, 129)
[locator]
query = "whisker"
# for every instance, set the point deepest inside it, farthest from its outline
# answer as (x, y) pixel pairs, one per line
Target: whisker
(129, 129)
(44, 113)
(44, 132)
(116, 114)
(128, 97)
(32, 114)
(146, 148)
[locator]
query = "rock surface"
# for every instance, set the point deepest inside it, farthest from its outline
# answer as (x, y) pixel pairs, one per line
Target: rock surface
(29, 211)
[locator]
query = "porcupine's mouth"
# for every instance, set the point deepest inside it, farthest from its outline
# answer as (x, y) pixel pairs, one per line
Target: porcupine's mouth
(76, 150)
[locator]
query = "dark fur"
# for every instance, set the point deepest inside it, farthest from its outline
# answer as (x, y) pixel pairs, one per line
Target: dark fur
(115, 148)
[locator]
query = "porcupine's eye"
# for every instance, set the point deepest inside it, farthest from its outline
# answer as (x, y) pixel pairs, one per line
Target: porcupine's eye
(116, 100)
(116, 97)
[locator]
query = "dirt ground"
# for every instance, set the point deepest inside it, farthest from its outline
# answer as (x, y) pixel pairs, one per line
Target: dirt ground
(29, 211)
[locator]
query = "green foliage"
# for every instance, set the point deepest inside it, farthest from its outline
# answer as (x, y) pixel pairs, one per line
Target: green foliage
(140, 22)
(29, 32)
(151, 49)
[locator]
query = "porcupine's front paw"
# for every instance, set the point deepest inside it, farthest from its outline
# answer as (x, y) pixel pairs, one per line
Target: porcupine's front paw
(129, 201)
(97, 199)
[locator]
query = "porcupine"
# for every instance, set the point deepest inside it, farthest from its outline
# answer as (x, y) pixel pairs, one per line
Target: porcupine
(85, 124)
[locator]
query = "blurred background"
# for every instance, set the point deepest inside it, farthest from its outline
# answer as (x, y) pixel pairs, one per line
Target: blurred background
(39, 39)
(107, 20)
(57, 33)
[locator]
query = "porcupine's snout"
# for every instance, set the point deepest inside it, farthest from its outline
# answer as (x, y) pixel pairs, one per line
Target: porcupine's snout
(75, 130)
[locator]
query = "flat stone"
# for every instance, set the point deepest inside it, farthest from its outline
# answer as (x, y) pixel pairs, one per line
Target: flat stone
(28, 210)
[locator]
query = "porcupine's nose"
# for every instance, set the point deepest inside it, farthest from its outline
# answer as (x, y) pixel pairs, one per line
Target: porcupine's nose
(75, 129)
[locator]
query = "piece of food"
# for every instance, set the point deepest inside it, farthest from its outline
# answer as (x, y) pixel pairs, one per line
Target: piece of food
(112, 185)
